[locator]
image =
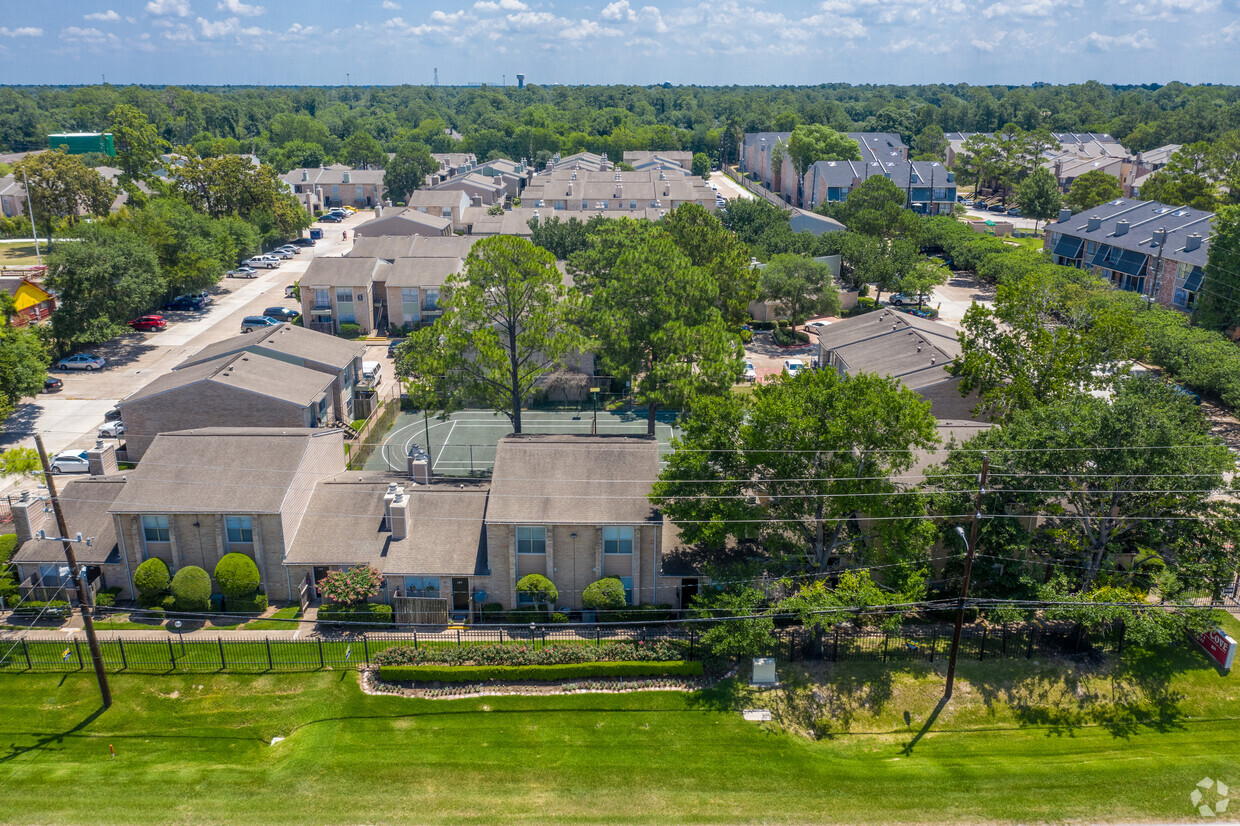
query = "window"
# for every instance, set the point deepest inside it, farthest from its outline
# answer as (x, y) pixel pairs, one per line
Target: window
(525, 599)
(432, 300)
(445, 213)
(531, 539)
(155, 528)
(344, 304)
(322, 298)
(409, 306)
(240, 529)
(421, 586)
(617, 540)
(627, 582)
(632, 204)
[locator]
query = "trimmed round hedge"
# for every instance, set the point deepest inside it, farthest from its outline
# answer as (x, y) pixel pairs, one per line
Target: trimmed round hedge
(237, 576)
(151, 578)
(191, 589)
(542, 589)
(606, 594)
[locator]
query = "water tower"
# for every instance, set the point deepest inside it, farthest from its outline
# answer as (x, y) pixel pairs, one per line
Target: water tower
(520, 81)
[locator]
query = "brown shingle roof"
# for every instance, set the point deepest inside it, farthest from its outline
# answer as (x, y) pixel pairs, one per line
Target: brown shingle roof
(217, 470)
(582, 480)
(344, 526)
(85, 503)
(250, 372)
(423, 272)
(343, 272)
(286, 340)
(389, 247)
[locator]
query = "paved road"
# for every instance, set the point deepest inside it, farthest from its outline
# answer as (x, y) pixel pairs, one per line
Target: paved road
(729, 188)
(71, 418)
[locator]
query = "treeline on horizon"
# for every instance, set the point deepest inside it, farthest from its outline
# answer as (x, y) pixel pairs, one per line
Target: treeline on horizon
(537, 121)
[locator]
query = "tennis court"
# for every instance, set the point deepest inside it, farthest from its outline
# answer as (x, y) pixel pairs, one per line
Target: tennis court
(464, 444)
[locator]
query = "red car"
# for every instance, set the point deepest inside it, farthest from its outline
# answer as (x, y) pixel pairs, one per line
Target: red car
(149, 323)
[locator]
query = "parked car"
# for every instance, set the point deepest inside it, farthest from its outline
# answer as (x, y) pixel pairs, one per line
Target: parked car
(331, 219)
(112, 415)
(290, 291)
(1191, 395)
(280, 253)
(269, 262)
(82, 361)
(186, 302)
(793, 367)
(257, 322)
(242, 272)
(303, 242)
(392, 345)
(1014, 212)
(281, 313)
(71, 461)
(290, 248)
(148, 323)
(815, 326)
(967, 202)
(998, 208)
(900, 299)
(51, 384)
(111, 430)
(750, 373)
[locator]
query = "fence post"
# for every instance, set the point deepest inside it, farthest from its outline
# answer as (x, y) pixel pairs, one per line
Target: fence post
(835, 653)
(415, 638)
(366, 647)
(77, 647)
(321, 663)
(120, 643)
(1003, 645)
(934, 642)
(270, 665)
(982, 654)
(172, 653)
(26, 651)
(886, 636)
(692, 640)
(598, 636)
(1123, 629)
(458, 638)
(1033, 632)
(223, 663)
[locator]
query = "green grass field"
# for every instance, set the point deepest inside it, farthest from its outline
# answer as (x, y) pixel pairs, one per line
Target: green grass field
(15, 255)
(1021, 741)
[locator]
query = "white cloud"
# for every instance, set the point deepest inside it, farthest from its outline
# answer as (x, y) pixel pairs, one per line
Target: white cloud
(1096, 42)
(243, 9)
(225, 28)
(500, 5)
(108, 15)
(24, 31)
(584, 29)
(298, 30)
(391, 6)
(1172, 9)
(90, 36)
(177, 8)
(618, 10)
(1022, 8)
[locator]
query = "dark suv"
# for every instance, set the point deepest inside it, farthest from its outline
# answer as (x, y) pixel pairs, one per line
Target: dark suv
(281, 313)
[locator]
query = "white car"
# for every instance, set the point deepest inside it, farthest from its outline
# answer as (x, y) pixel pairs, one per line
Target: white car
(82, 361)
(900, 299)
(794, 367)
(815, 326)
(71, 461)
(289, 248)
(269, 262)
(750, 373)
(111, 430)
(242, 272)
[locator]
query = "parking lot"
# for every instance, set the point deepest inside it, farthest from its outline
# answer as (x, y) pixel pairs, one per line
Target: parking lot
(71, 417)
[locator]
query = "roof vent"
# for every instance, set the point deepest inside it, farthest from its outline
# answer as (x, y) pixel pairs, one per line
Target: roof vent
(1192, 242)
(1160, 236)
(346, 178)
(1065, 215)
(1121, 228)
(1093, 223)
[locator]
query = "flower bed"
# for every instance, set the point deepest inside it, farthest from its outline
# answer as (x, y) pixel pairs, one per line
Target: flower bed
(510, 673)
(516, 655)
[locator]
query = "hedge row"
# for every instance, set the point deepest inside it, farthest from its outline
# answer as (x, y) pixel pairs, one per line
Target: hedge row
(572, 671)
(55, 608)
(371, 612)
(512, 655)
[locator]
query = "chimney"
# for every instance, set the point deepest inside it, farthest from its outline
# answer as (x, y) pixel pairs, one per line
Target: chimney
(388, 498)
(29, 516)
(951, 177)
(665, 189)
(400, 515)
(1121, 228)
(102, 459)
(498, 180)
(1092, 223)
(346, 178)
(570, 188)
(1065, 215)
(619, 190)
(305, 175)
(476, 201)
(420, 467)
(1160, 236)
(1192, 242)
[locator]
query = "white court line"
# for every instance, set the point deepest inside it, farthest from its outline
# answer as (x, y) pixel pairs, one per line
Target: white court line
(445, 443)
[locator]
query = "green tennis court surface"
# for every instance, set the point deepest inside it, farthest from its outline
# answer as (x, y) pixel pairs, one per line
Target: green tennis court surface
(464, 444)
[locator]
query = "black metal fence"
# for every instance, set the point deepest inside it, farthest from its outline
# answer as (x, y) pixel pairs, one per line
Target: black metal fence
(843, 644)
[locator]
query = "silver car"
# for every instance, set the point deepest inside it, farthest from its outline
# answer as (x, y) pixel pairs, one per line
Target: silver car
(71, 461)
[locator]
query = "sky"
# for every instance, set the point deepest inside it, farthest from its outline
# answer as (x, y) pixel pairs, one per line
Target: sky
(719, 42)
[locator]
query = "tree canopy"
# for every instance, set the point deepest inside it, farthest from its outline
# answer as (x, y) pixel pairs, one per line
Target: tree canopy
(407, 170)
(62, 186)
(802, 287)
(1091, 189)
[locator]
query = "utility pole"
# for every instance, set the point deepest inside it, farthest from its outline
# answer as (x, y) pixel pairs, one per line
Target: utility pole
(96, 656)
(970, 545)
(30, 206)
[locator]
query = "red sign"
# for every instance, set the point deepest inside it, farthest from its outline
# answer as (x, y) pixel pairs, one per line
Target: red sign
(1220, 647)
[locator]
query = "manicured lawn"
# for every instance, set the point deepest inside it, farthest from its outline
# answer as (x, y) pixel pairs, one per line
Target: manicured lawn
(14, 255)
(273, 622)
(1034, 244)
(1021, 741)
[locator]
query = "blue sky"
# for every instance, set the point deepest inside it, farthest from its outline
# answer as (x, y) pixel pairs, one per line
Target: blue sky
(619, 41)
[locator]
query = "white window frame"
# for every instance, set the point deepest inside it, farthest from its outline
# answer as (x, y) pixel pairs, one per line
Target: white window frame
(241, 529)
(536, 537)
(619, 535)
(166, 528)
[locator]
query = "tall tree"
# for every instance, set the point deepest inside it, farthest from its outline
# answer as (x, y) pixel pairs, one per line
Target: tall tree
(801, 287)
(101, 281)
(701, 165)
(700, 236)
(810, 143)
(408, 170)
(1218, 306)
(362, 150)
(1091, 189)
(876, 207)
(1038, 196)
(138, 145)
(62, 186)
(658, 324)
(1050, 335)
(507, 322)
(793, 468)
(23, 367)
(232, 185)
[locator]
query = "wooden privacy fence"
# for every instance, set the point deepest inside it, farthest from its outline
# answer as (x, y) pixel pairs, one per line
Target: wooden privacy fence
(420, 610)
(907, 644)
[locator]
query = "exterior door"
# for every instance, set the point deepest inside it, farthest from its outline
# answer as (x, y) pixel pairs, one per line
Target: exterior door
(688, 590)
(460, 594)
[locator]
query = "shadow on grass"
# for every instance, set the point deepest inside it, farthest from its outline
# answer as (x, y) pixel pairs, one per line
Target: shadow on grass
(934, 715)
(16, 751)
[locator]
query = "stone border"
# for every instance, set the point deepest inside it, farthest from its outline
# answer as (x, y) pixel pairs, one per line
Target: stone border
(368, 679)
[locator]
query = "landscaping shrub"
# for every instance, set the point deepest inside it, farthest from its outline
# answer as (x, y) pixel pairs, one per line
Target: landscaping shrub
(524, 616)
(865, 304)
(350, 330)
(762, 325)
(539, 587)
(9, 591)
(8, 547)
(30, 609)
(529, 655)
(352, 586)
(371, 613)
(191, 589)
(604, 594)
(473, 674)
(557, 617)
(106, 598)
(637, 613)
(167, 602)
(492, 612)
(253, 604)
(151, 580)
(237, 577)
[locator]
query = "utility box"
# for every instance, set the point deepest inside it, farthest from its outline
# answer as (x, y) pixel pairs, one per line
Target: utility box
(764, 672)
